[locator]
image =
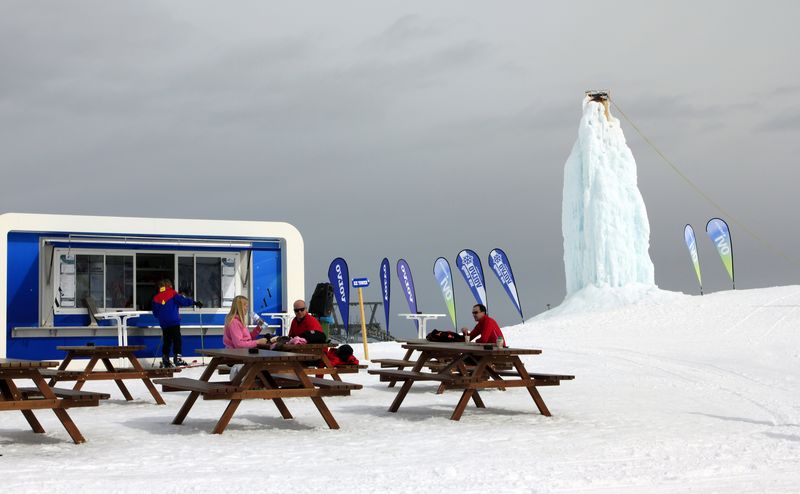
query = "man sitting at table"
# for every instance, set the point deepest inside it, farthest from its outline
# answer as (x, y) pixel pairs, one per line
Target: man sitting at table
(487, 329)
(305, 325)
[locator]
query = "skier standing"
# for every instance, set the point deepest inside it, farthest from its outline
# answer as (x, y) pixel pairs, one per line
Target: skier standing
(166, 305)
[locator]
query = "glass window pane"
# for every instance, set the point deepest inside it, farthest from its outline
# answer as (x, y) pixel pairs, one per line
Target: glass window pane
(119, 282)
(88, 279)
(150, 269)
(209, 281)
(186, 276)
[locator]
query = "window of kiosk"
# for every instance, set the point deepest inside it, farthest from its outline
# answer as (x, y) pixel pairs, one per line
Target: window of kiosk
(150, 269)
(123, 280)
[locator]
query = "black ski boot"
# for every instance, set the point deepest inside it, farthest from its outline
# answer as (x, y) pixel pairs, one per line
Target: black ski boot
(179, 362)
(165, 363)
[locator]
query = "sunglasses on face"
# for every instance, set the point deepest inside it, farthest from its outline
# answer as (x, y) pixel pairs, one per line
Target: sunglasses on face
(300, 309)
(475, 312)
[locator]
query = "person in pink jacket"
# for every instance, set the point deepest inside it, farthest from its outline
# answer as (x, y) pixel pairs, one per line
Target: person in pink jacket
(236, 334)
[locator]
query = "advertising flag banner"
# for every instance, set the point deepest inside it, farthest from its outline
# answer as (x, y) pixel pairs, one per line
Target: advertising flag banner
(407, 282)
(441, 270)
(501, 266)
(469, 264)
(691, 244)
(340, 280)
(719, 233)
(386, 289)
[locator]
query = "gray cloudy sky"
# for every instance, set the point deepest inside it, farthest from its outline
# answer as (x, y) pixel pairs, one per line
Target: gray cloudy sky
(406, 129)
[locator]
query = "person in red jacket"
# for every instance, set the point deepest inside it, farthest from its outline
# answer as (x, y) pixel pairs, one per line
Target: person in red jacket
(304, 322)
(486, 330)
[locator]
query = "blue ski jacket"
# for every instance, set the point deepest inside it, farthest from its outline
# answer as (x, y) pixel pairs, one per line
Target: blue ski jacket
(166, 305)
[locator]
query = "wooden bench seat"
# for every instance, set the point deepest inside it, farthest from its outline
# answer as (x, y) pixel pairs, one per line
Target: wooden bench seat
(393, 362)
(402, 375)
(318, 382)
(70, 394)
(542, 377)
(72, 375)
(189, 384)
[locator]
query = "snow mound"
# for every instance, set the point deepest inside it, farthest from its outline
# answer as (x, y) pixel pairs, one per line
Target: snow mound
(592, 298)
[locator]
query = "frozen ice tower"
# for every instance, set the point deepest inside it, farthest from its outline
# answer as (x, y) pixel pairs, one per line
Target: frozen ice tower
(603, 217)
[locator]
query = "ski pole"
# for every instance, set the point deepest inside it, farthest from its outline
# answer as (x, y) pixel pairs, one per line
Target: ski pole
(202, 337)
(158, 349)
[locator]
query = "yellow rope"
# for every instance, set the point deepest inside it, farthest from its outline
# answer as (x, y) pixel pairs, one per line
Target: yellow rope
(725, 213)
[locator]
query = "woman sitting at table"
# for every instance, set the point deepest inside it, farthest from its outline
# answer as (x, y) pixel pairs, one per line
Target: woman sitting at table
(236, 334)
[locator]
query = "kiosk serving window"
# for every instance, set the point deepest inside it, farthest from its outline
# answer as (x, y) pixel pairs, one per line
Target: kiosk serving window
(118, 279)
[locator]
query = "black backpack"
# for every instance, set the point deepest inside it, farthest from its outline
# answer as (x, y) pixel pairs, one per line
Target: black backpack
(444, 336)
(321, 301)
(313, 336)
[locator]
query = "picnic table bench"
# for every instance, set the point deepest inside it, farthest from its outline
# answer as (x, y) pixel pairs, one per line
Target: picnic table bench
(41, 396)
(105, 354)
(265, 374)
(457, 374)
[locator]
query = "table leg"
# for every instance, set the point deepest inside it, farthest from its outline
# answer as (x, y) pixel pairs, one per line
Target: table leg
(476, 397)
(404, 389)
(405, 357)
(318, 402)
(10, 392)
(61, 413)
(63, 366)
(462, 404)
(325, 412)
(537, 398)
(328, 365)
(110, 368)
(82, 378)
(226, 416)
(459, 364)
(471, 393)
(246, 377)
(193, 395)
(269, 382)
(146, 380)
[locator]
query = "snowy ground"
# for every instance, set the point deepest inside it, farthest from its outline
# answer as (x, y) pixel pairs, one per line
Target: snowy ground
(675, 394)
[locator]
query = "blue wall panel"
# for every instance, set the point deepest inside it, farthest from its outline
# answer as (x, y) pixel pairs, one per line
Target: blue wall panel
(22, 291)
(22, 303)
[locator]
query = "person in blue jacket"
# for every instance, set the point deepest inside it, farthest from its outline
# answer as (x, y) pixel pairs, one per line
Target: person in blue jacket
(166, 305)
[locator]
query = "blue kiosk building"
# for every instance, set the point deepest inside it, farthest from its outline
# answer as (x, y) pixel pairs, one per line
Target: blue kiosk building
(72, 280)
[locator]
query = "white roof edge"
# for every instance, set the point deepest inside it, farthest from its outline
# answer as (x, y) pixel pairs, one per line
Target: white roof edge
(140, 225)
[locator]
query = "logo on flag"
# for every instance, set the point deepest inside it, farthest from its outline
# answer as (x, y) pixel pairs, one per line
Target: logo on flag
(386, 280)
(441, 270)
(469, 264)
(691, 244)
(404, 273)
(719, 233)
(501, 266)
(339, 277)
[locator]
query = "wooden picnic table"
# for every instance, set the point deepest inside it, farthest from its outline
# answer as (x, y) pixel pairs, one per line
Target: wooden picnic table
(433, 364)
(266, 375)
(484, 374)
(320, 366)
(42, 396)
(105, 354)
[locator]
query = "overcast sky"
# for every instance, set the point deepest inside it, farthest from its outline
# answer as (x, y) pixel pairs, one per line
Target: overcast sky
(407, 129)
